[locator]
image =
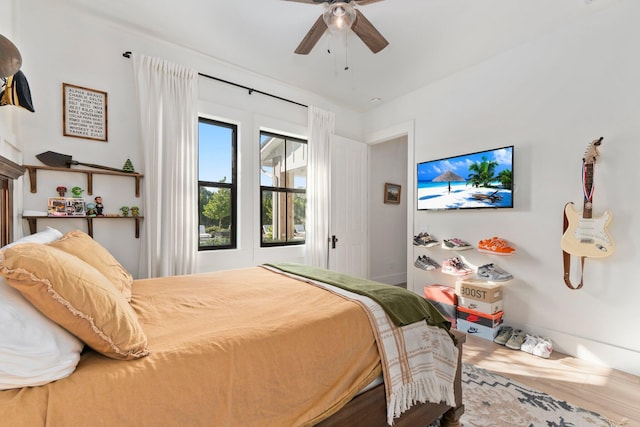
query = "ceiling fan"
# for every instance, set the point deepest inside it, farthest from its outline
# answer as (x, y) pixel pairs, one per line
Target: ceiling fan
(339, 15)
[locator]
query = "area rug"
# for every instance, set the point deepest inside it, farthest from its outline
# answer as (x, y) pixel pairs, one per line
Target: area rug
(493, 400)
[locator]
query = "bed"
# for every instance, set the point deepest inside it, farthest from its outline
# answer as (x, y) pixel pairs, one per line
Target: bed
(260, 346)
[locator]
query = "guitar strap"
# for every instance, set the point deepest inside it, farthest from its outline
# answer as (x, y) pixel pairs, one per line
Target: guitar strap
(566, 260)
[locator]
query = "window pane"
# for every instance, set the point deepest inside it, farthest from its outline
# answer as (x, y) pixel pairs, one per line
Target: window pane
(296, 165)
(215, 152)
(272, 161)
(299, 203)
(283, 217)
(215, 209)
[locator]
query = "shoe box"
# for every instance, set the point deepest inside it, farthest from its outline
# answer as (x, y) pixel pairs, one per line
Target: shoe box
(483, 319)
(477, 305)
(444, 299)
(482, 291)
(477, 329)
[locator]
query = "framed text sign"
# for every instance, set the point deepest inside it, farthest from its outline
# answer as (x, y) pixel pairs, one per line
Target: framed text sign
(84, 112)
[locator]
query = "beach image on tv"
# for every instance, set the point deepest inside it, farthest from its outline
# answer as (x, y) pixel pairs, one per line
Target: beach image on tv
(470, 181)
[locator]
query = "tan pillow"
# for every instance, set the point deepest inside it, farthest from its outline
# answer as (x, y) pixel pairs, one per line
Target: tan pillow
(77, 297)
(93, 253)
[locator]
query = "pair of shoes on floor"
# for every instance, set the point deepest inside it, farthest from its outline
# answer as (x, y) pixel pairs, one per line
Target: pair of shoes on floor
(493, 272)
(455, 266)
(537, 345)
(424, 239)
(455, 244)
(496, 246)
(426, 263)
(517, 339)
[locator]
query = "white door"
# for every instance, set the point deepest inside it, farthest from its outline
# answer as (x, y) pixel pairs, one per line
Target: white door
(349, 201)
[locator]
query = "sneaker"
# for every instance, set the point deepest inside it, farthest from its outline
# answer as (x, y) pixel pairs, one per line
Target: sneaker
(425, 263)
(503, 335)
(424, 239)
(516, 340)
(530, 343)
(455, 267)
(543, 348)
(493, 272)
(455, 244)
(496, 246)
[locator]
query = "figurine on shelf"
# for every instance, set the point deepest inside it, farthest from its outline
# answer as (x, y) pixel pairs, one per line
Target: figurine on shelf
(99, 206)
(135, 211)
(124, 210)
(91, 209)
(61, 189)
(77, 191)
(128, 166)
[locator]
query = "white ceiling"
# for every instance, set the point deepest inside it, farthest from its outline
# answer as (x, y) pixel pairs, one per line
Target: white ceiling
(428, 39)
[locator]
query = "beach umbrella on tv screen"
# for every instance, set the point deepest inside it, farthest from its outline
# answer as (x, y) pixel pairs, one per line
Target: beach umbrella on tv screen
(448, 176)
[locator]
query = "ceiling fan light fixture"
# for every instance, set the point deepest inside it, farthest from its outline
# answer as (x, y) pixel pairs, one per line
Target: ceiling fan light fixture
(339, 17)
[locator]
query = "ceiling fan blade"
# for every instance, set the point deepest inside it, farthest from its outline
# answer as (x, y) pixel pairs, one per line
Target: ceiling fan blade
(306, 1)
(312, 37)
(362, 2)
(368, 33)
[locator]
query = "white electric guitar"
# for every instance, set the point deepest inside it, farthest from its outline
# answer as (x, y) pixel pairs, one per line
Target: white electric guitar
(584, 235)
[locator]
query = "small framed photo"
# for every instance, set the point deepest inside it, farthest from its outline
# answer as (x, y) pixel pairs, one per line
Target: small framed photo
(84, 112)
(392, 193)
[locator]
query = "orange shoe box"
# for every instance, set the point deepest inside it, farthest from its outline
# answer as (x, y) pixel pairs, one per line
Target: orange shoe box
(441, 293)
(483, 319)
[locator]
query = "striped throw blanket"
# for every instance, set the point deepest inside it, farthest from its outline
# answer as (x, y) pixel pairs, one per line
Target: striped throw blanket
(419, 361)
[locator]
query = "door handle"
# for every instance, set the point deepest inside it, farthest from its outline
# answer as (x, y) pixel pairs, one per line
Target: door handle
(334, 240)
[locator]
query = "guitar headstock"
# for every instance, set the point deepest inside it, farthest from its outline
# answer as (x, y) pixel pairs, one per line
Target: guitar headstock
(592, 153)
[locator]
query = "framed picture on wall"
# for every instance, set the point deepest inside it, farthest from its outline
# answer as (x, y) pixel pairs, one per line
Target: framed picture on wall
(392, 193)
(84, 112)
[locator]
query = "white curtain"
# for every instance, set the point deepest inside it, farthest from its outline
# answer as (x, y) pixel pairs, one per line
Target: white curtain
(321, 130)
(168, 115)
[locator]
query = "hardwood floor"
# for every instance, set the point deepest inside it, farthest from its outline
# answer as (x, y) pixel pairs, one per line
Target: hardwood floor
(611, 393)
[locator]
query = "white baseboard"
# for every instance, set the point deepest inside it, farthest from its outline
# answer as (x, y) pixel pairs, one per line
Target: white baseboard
(607, 355)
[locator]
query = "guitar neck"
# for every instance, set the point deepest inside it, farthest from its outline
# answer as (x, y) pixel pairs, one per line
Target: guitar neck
(587, 207)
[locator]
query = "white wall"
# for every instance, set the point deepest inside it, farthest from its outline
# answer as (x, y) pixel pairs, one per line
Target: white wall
(388, 222)
(62, 44)
(550, 98)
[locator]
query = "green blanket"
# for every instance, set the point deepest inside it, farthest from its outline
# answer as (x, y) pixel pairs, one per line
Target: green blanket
(403, 307)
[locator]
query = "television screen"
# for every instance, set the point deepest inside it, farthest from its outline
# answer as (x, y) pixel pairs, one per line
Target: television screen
(470, 181)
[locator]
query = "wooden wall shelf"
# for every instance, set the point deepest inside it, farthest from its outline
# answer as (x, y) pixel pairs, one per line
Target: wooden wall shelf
(33, 221)
(32, 169)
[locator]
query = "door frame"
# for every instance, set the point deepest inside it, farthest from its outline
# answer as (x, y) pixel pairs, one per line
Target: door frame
(406, 129)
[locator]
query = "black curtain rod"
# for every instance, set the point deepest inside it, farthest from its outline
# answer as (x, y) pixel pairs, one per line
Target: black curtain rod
(248, 89)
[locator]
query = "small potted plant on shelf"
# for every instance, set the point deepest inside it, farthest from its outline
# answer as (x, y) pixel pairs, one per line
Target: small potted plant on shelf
(61, 189)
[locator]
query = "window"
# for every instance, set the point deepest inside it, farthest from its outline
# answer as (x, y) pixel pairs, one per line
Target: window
(217, 144)
(283, 189)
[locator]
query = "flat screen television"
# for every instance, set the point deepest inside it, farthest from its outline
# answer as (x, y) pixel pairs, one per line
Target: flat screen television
(471, 181)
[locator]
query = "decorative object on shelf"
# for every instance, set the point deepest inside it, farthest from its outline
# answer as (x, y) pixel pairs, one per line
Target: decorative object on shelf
(65, 206)
(84, 112)
(392, 193)
(124, 210)
(128, 166)
(59, 160)
(77, 191)
(62, 190)
(33, 174)
(91, 209)
(17, 92)
(99, 206)
(135, 211)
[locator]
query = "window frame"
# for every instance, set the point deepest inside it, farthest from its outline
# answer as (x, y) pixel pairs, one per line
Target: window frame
(288, 191)
(232, 186)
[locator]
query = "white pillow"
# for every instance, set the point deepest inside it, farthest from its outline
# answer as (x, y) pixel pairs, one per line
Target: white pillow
(33, 349)
(47, 236)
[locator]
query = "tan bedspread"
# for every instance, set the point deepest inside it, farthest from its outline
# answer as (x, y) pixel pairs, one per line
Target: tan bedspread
(232, 348)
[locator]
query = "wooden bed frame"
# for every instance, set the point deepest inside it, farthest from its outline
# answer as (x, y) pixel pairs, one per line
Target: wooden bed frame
(369, 408)
(365, 410)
